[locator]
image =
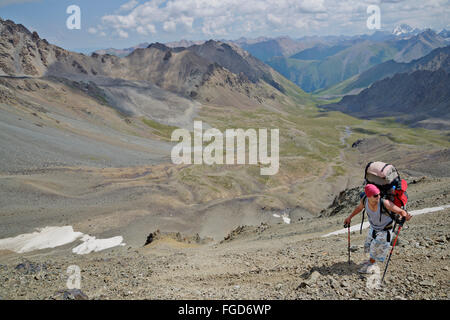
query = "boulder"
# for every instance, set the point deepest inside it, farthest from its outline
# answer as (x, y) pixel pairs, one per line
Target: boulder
(28, 267)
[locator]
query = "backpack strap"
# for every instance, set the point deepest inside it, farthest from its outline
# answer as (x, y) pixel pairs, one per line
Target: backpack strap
(406, 194)
(386, 211)
(365, 171)
(398, 174)
(388, 234)
(382, 208)
(364, 211)
(385, 167)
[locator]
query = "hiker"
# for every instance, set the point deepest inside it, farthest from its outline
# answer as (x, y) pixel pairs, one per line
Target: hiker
(379, 236)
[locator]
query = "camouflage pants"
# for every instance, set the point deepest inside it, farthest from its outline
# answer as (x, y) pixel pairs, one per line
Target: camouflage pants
(377, 247)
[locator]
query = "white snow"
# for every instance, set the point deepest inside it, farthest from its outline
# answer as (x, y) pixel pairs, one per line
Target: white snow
(48, 237)
(51, 237)
(403, 29)
(91, 244)
(286, 219)
(284, 216)
(366, 224)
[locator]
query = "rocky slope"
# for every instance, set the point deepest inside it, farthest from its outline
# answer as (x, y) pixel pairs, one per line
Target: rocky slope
(23, 53)
(418, 46)
(265, 262)
(177, 70)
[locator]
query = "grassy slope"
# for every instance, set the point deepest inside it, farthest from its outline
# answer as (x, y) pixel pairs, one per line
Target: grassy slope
(311, 150)
(161, 130)
(337, 89)
(310, 147)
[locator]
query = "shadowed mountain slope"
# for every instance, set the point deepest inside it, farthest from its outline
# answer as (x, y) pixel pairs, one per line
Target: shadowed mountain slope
(438, 58)
(420, 98)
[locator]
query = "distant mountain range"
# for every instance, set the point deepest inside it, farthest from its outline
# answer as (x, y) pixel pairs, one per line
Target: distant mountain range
(417, 93)
(265, 48)
(318, 63)
(445, 34)
(126, 51)
(122, 52)
(184, 43)
(326, 65)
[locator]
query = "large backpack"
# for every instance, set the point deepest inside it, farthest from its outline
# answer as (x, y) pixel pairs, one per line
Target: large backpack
(392, 187)
(381, 174)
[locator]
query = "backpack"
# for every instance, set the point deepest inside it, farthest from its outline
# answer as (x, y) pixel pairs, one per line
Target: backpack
(381, 174)
(392, 187)
(400, 196)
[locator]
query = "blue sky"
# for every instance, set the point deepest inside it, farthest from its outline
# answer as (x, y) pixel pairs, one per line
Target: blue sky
(124, 23)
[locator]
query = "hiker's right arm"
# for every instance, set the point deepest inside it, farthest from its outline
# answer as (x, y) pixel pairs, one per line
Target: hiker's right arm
(357, 210)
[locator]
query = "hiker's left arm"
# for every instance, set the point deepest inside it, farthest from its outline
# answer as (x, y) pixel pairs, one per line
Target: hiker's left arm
(393, 208)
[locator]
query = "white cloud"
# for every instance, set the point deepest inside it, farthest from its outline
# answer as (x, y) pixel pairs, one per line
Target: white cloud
(122, 34)
(277, 21)
(217, 26)
(128, 6)
(313, 6)
(170, 26)
(237, 17)
(145, 30)
(186, 21)
(92, 30)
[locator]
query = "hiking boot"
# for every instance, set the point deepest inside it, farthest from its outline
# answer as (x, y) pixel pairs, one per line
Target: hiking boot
(366, 268)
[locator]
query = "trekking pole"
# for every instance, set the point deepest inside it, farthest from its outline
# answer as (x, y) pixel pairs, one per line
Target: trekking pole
(348, 226)
(400, 226)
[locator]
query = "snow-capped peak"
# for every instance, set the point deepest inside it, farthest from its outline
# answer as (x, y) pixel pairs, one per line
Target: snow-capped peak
(404, 29)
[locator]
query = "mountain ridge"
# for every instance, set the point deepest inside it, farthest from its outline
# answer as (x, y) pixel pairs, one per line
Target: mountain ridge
(432, 61)
(415, 93)
(330, 65)
(179, 70)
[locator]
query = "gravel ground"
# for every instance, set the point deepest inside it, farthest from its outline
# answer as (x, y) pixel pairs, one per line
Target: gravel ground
(265, 262)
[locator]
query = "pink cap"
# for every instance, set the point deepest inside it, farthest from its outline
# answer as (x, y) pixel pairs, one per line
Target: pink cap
(371, 190)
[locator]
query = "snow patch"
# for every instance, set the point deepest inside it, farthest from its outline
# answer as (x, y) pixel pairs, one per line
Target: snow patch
(51, 237)
(366, 224)
(43, 238)
(91, 244)
(284, 216)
